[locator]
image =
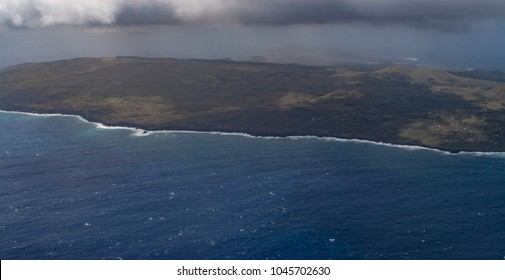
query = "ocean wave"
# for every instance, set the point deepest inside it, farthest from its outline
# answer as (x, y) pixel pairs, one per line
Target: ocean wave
(246, 135)
(138, 132)
(482, 154)
(135, 131)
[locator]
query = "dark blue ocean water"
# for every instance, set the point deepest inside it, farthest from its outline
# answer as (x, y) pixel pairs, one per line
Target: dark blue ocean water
(71, 191)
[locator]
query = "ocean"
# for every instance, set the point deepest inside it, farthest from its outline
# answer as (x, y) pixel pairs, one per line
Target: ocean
(71, 189)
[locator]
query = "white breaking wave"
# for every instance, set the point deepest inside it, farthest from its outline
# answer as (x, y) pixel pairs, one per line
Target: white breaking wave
(158, 132)
(480, 154)
(135, 131)
(138, 132)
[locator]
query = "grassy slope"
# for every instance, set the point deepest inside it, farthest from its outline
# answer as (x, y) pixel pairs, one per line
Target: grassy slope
(398, 104)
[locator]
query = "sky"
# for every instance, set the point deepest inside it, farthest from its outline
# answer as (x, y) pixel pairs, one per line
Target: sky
(448, 33)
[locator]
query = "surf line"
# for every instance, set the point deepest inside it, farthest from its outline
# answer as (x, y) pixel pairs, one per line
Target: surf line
(138, 132)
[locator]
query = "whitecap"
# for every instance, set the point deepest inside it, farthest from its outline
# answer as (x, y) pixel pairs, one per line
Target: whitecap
(139, 133)
(135, 131)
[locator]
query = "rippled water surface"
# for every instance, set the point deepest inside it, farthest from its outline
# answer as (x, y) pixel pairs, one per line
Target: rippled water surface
(70, 190)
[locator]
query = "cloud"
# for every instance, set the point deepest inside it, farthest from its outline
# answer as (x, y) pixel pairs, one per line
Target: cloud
(433, 14)
(150, 13)
(39, 13)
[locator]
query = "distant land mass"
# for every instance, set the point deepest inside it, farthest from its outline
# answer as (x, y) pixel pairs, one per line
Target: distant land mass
(399, 104)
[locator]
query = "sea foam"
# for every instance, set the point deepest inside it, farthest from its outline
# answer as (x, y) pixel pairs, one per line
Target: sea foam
(138, 132)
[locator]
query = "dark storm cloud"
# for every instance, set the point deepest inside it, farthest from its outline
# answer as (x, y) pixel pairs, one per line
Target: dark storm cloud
(152, 13)
(294, 12)
(447, 15)
(434, 14)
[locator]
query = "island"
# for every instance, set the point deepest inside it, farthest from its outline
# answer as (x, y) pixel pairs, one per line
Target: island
(461, 110)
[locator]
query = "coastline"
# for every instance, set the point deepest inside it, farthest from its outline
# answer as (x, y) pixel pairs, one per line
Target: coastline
(140, 132)
(266, 100)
